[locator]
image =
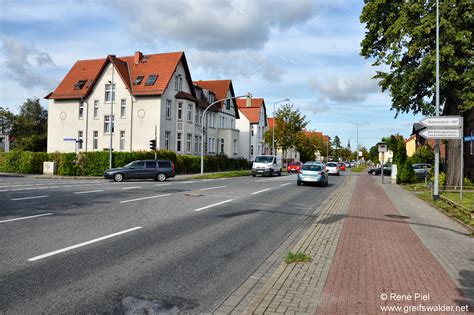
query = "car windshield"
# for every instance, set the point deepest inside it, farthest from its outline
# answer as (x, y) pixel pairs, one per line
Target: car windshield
(312, 167)
(294, 163)
(264, 159)
(331, 164)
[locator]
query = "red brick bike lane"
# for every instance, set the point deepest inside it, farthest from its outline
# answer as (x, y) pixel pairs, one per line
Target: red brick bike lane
(381, 262)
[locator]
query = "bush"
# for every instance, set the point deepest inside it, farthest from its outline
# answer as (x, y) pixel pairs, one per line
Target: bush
(406, 175)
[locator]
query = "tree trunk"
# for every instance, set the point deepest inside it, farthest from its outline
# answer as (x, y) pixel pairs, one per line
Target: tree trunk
(453, 176)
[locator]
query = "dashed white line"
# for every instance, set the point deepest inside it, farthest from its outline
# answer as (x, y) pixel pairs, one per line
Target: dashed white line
(187, 182)
(83, 244)
(216, 204)
(213, 187)
(145, 198)
(164, 184)
(285, 184)
(27, 198)
(87, 192)
(29, 217)
(133, 187)
(260, 191)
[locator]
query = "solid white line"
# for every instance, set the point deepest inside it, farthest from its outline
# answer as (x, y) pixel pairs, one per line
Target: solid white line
(260, 191)
(285, 184)
(23, 218)
(26, 198)
(133, 187)
(82, 244)
(216, 204)
(213, 187)
(144, 198)
(165, 184)
(187, 182)
(86, 192)
(4, 190)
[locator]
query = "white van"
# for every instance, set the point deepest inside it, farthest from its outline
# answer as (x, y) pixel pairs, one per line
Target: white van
(266, 165)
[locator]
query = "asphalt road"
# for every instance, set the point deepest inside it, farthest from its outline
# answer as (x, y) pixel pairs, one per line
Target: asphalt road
(95, 246)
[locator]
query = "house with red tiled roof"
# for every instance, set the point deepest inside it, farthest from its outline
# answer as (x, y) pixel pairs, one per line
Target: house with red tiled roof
(126, 100)
(221, 134)
(253, 124)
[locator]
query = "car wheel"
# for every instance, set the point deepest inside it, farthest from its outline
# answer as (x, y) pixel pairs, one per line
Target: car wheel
(298, 183)
(279, 173)
(118, 177)
(161, 177)
(253, 175)
(271, 173)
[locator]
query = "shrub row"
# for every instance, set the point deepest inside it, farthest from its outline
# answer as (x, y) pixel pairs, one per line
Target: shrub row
(94, 163)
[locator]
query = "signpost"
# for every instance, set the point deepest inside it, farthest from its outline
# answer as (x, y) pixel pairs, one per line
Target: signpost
(382, 146)
(445, 127)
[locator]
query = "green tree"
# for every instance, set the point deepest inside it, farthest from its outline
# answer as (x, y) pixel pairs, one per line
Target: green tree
(374, 154)
(423, 154)
(401, 36)
(336, 148)
(30, 128)
(309, 144)
(7, 120)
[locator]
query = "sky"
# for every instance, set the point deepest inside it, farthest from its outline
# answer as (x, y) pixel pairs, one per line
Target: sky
(307, 51)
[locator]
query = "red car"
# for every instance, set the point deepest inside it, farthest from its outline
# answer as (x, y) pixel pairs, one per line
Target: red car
(294, 167)
(341, 165)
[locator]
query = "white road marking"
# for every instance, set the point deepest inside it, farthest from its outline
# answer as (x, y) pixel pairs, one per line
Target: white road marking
(87, 192)
(285, 184)
(133, 187)
(187, 182)
(145, 198)
(4, 190)
(165, 184)
(23, 218)
(260, 191)
(216, 204)
(213, 187)
(222, 178)
(83, 244)
(26, 198)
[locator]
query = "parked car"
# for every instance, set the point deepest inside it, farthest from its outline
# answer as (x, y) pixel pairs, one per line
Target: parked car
(142, 169)
(353, 164)
(347, 164)
(332, 168)
(342, 166)
(421, 169)
(294, 167)
(312, 173)
(387, 170)
(266, 165)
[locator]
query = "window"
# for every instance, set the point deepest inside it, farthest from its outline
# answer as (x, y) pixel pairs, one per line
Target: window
(180, 83)
(176, 82)
(150, 164)
(235, 146)
(96, 109)
(80, 136)
(196, 117)
(168, 109)
(138, 80)
(167, 140)
(95, 140)
(189, 139)
(179, 141)
(110, 92)
(252, 130)
(123, 108)
(196, 144)
(209, 147)
(151, 79)
(180, 111)
(232, 123)
(108, 124)
(190, 113)
(212, 120)
(251, 149)
(81, 110)
(80, 84)
(200, 116)
(227, 104)
(222, 122)
(122, 140)
(222, 145)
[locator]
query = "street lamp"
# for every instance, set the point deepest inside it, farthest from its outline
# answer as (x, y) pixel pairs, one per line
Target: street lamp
(357, 128)
(248, 96)
(273, 129)
(112, 120)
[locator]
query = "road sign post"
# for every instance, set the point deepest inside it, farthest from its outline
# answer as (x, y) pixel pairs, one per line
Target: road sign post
(382, 147)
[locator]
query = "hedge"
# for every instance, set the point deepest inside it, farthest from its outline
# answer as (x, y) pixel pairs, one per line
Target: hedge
(94, 163)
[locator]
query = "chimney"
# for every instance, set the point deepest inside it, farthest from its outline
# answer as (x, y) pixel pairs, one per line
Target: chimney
(138, 57)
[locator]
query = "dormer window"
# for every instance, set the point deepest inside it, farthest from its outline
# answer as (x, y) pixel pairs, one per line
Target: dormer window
(138, 80)
(151, 79)
(80, 84)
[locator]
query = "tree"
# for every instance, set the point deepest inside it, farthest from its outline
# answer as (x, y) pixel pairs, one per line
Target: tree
(7, 120)
(289, 124)
(30, 128)
(423, 154)
(401, 35)
(336, 146)
(374, 154)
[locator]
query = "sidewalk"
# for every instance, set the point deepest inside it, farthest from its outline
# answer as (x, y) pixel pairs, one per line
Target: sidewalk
(375, 248)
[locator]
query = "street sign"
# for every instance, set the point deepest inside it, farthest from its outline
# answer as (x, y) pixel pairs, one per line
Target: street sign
(382, 146)
(69, 139)
(442, 121)
(468, 138)
(441, 133)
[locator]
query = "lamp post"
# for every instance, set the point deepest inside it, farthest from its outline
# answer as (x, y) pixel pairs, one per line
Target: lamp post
(273, 129)
(436, 166)
(248, 96)
(357, 148)
(112, 122)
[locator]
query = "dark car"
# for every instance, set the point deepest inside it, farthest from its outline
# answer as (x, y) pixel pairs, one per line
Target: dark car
(387, 170)
(142, 169)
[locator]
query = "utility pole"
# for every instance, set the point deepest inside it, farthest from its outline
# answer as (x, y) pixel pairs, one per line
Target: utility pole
(436, 166)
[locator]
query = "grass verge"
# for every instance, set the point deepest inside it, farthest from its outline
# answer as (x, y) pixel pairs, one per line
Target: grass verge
(224, 174)
(297, 257)
(359, 169)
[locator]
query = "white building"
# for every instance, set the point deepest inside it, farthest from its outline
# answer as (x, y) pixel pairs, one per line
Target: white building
(4, 143)
(252, 125)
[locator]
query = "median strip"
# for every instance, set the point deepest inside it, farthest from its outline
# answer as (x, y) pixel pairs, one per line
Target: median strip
(29, 217)
(144, 198)
(260, 191)
(87, 192)
(27, 198)
(82, 244)
(216, 204)
(213, 187)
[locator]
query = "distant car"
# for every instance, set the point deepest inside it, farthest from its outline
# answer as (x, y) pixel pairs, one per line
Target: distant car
(342, 166)
(353, 164)
(387, 170)
(294, 167)
(421, 169)
(312, 173)
(332, 168)
(347, 164)
(142, 169)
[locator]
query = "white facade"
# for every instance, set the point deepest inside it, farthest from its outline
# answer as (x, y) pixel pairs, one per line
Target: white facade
(252, 141)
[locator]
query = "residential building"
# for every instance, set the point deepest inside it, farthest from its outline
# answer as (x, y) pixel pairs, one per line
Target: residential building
(253, 124)
(410, 145)
(124, 100)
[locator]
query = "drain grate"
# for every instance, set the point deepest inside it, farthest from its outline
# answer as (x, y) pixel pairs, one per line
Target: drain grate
(396, 216)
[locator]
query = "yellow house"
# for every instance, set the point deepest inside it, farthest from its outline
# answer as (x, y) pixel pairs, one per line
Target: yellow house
(410, 145)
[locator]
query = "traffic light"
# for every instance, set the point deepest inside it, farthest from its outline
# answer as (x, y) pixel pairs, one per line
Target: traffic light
(153, 144)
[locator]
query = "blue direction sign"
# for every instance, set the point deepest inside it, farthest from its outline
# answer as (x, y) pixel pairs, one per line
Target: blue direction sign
(468, 138)
(69, 139)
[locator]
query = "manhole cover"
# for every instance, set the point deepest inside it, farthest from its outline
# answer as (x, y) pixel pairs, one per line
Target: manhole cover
(396, 216)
